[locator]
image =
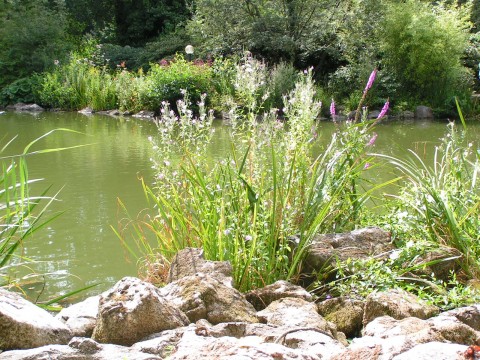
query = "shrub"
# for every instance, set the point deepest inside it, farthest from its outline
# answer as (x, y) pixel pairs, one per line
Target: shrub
(166, 81)
(422, 47)
(23, 90)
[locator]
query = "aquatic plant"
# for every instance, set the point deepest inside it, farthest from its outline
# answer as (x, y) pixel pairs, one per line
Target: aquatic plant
(247, 206)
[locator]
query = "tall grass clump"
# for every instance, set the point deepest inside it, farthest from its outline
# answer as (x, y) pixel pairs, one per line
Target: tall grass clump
(444, 197)
(22, 215)
(261, 204)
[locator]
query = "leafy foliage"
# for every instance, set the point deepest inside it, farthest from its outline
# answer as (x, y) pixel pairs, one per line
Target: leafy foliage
(32, 34)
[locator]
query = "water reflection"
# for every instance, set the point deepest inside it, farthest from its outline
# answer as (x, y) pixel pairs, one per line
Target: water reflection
(91, 178)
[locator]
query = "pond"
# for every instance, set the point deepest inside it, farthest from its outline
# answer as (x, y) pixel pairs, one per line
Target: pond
(79, 248)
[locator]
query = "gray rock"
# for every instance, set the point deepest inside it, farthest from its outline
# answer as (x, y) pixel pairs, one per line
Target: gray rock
(357, 244)
(87, 111)
(190, 261)
(406, 115)
(440, 262)
(27, 107)
(469, 315)
(162, 344)
(81, 317)
(423, 112)
(24, 325)
(398, 304)
(201, 296)
(133, 309)
(192, 346)
(453, 330)
(294, 313)
(346, 314)
(261, 298)
(145, 114)
(434, 350)
(78, 348)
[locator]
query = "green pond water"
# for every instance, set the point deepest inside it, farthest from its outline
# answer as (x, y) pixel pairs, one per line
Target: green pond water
(80, 248)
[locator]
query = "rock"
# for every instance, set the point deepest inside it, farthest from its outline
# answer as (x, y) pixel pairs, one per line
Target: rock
(27, 107)
(441, 262)
(133, 309)
(81, 317)
(114, 112)
(398, 304)
(202, 296)
(190, 261)
(469, 315)
(261, 298)
(145, 114)
(81, 349)
(24, 325)
(406, 115)
(434, 350)
(358, 244)
(294, 313)
(453, 330)
(87, 111)
(423, 112)
(346, 314)
(162, 344)
(195, 347)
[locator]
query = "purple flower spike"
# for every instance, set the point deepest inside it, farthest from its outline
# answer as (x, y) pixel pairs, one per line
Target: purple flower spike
(332, 109)
(384, 110)
(372, 139)
(371, 79)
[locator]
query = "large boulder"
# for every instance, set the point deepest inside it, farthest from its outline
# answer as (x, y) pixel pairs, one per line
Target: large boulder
(133, 309)
(434, 350)
(423, 112)
(358, 244)
(202, 296)
(261, 298)
(79, 349)
(27, 107)
(295, 313)
(193, 347)
(190, 261)
(24, 325)
(346, 314)
(81, 317)
(398, 304)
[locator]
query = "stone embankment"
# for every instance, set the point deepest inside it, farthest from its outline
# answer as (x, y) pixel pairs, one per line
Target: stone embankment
(200, 315)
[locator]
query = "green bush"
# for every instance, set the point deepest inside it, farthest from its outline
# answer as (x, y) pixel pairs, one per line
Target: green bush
(23, 90)
(422, 46)
(78, 84)
(167, 82)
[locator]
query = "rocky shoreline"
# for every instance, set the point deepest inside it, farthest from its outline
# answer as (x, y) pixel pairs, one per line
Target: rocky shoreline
(200, 315)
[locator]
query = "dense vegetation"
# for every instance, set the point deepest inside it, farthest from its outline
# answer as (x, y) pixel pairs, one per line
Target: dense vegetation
(276, 61)
(426, 52)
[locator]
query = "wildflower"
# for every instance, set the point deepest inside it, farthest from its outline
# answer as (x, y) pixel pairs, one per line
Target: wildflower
(248, 238)
(372, 139)
(226, 232)
(332, 109)
(367, 165)
(371, 79)
(56, 62)
(384, 110)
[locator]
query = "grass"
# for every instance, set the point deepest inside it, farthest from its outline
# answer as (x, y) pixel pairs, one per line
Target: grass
(22, 215)
(247, 207)
(260, 206)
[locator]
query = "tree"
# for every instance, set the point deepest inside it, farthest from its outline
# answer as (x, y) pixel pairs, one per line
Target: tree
(423, 46)
(299, 31)
(32, 35)
(137, 22)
